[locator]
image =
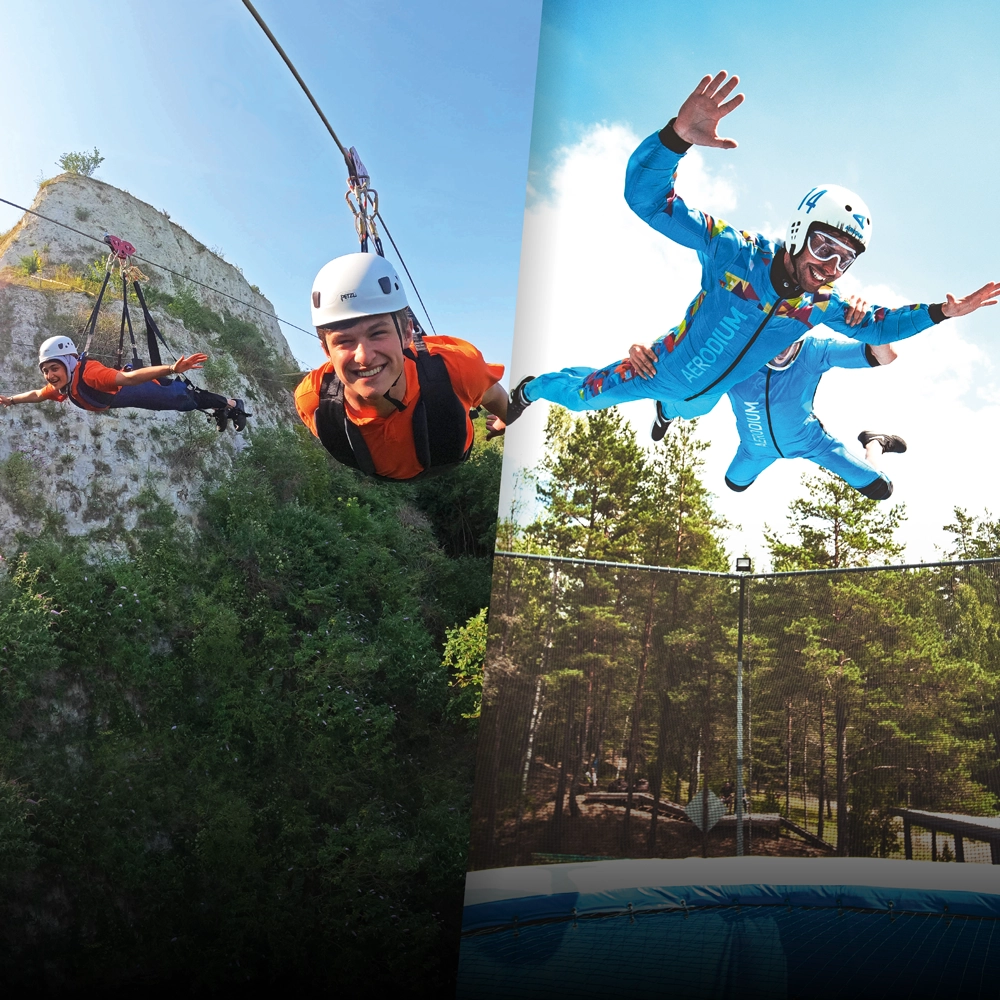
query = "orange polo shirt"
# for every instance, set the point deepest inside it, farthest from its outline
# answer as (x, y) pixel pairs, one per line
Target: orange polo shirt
(390, 439)
(96, 375)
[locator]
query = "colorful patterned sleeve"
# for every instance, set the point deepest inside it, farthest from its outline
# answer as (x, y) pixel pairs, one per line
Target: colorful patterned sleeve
(880, 325)
(650, 193)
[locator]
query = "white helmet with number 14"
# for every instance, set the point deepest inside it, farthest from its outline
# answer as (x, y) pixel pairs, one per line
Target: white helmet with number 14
(831, 205)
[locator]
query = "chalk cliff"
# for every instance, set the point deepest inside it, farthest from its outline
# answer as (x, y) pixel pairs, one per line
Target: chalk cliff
(61, 464)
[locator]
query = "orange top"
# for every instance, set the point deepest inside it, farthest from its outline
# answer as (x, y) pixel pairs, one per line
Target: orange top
(390, 439)
(96, 375)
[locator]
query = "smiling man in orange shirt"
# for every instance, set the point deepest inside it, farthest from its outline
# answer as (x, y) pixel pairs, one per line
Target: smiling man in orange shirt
(389, 401)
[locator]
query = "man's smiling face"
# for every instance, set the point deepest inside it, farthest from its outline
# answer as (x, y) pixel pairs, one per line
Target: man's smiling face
(811, 272)
(368, 356)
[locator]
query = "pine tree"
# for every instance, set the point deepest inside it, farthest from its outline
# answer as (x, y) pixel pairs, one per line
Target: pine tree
(836, 526)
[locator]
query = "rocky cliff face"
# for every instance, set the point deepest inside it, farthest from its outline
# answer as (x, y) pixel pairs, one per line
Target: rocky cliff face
(61, 464)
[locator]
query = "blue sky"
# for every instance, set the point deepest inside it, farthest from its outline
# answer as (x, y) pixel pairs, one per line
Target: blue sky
(894, 102)
(195, 113)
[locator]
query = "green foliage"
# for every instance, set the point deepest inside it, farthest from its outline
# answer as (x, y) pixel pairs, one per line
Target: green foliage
(81, 214)
(31, 263)
(837, 526)
(83, 164)
(247, 756)
(254, 355)
(221, 375)
(464, 653)
(18, 484)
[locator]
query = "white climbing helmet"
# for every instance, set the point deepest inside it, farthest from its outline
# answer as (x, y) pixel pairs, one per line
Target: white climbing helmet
(831, 205)
(357, 284)
(55, 349)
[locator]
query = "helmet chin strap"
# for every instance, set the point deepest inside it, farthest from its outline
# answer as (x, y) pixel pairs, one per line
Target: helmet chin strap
(398, 403)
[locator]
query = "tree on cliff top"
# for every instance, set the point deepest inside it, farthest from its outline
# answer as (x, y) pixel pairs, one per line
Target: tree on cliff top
(83, 164)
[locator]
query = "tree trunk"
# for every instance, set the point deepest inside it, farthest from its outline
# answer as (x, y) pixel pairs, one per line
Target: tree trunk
(635, 736)
(822, 768)
(788, 757)
(805, 764)
(840, 714)
(555, 838)
(656, 771)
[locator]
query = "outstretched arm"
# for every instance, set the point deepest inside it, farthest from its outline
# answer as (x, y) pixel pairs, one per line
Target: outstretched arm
(985, 296)
(140, 375)
(883, 326)
(31, 396)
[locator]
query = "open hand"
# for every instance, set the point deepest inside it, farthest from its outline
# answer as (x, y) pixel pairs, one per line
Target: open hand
(701, 113)
(985, 296)
(856, 310)
(6, 400)
(494, 426)
(643, 360)
(183, 364)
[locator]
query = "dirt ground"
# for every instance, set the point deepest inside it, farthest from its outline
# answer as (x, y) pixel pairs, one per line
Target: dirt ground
(597, 832)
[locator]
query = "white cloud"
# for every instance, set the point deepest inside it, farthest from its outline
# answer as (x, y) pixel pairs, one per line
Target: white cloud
(594, 279)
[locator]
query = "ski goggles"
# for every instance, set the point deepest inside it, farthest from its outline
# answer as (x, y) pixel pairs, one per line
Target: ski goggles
(784, 360)
(825, 247)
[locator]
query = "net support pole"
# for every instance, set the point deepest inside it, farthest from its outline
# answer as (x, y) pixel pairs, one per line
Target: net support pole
(739, 720)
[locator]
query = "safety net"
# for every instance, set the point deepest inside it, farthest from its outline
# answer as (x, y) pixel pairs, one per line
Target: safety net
(644, 712)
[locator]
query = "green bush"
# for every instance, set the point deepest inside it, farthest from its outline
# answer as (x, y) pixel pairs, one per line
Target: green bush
(83, 164)
(31, 263)
(246, 756)
(18, 484)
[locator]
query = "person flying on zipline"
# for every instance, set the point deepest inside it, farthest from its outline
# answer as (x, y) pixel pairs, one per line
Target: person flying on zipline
(757, 295)
(93, 386)
(389, 401)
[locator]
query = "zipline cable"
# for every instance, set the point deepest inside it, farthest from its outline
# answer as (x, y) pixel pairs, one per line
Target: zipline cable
(162, 267)
(312, 100)
(348, 159)
(378, 215)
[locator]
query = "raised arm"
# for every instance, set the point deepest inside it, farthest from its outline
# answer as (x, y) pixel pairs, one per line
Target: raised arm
(652, 168)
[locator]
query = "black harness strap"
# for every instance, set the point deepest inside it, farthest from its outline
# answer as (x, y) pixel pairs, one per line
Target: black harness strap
(152, 330)
(439, 420)
(136, 361)
(92, 322)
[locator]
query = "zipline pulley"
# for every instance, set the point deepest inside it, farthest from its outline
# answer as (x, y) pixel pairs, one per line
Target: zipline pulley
(120, 259)
(362, 200)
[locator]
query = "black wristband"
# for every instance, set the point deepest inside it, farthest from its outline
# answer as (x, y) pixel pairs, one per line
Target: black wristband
(936, 312)
(870, 356)
(672, 140)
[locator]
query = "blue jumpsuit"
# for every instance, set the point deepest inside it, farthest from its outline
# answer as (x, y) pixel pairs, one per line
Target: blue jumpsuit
(774, 415)
(748, 309)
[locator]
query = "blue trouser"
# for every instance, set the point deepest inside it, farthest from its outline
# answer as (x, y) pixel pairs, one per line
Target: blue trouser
(599, 388)
(176, 395)
(749, 463)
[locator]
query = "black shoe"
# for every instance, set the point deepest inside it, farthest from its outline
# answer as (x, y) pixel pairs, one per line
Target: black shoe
(238, 416)
(221, 416)
(518, 402)
(661, 424)
(889, 442)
